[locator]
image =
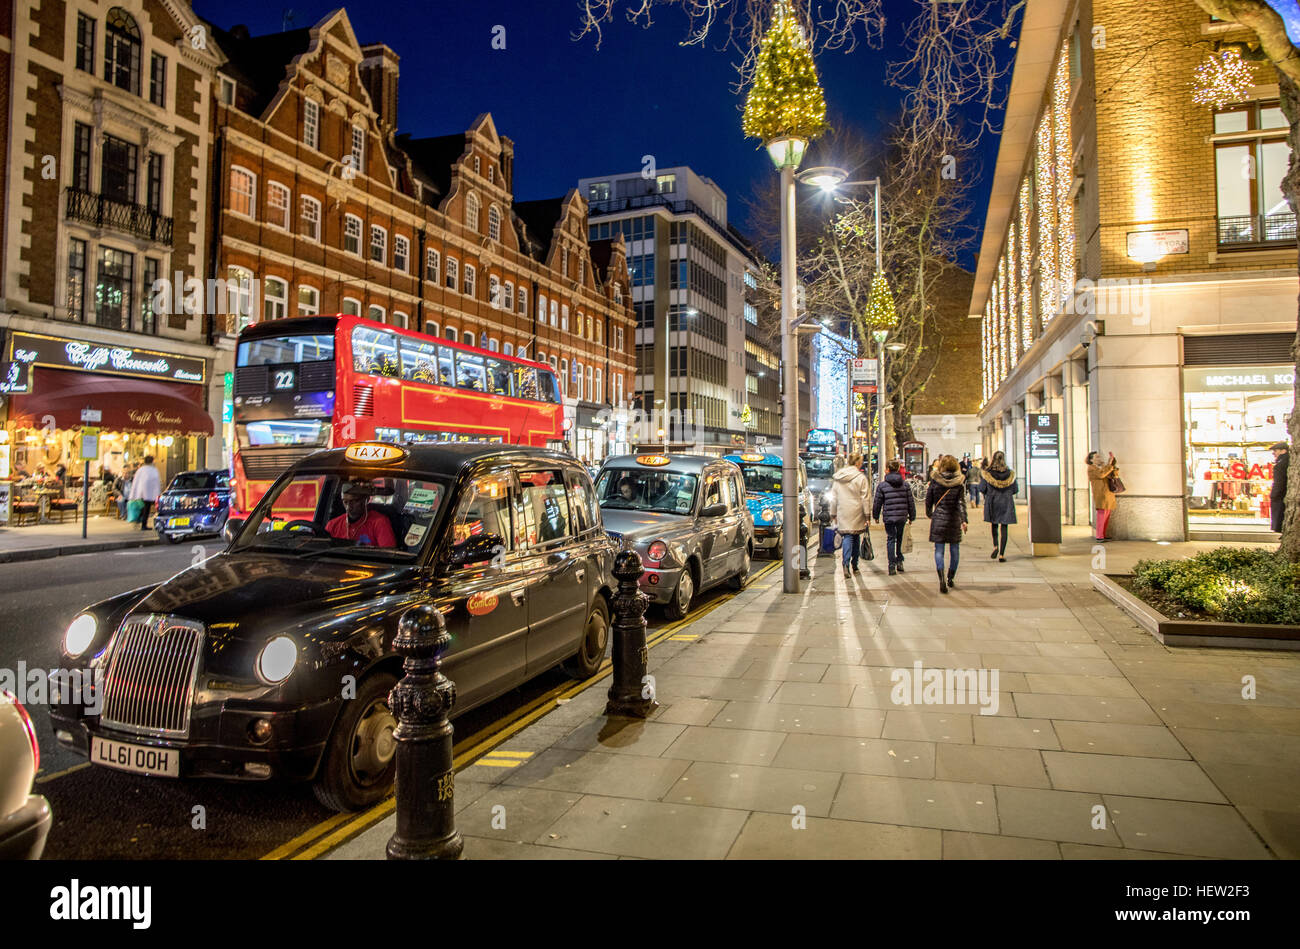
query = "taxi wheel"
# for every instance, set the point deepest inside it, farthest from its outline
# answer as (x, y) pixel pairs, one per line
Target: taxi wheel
(680, 604)
(361, 756)
(594, 640)
(172, 538)
(738, 581)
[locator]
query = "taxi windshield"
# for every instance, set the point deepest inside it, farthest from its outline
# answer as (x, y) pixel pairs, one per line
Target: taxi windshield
(361, 514)
(822, 467)
(644, 489)
(765, 479)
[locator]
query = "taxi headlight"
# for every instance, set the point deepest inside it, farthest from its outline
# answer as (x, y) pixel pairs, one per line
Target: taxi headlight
(80, 634)
(277, 659)
(657, 551)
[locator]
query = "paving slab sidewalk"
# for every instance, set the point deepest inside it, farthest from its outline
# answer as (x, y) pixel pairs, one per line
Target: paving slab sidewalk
(42, 541)
(779, 734)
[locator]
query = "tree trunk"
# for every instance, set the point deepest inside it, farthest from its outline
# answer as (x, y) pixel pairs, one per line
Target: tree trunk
(1290, 547)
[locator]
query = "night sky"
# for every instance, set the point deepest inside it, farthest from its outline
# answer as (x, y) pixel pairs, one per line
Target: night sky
(574, 111)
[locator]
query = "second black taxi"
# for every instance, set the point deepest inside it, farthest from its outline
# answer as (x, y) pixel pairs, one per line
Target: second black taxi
(275, 657)
(686, 516)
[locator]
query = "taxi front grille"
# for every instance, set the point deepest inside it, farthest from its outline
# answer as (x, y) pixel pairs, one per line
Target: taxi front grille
(149, 684)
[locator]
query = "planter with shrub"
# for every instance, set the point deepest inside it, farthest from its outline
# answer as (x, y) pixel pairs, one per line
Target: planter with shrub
(1229, 596)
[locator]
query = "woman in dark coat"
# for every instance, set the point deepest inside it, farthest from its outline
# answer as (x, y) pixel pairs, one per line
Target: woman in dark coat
(945, 505)
(999, 503)
(895, 504)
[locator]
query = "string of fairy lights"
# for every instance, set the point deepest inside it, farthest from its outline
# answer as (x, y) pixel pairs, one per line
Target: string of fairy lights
(1041, 225)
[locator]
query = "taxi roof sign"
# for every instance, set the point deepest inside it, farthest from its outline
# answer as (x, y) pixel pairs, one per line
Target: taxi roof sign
(752, 457)
(374, 453)
(652, 460)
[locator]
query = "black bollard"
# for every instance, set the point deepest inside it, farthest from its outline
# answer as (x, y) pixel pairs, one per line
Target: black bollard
(426, 780)
(629, 694)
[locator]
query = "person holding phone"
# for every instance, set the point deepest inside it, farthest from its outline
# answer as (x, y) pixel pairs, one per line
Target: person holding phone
(1103, 498)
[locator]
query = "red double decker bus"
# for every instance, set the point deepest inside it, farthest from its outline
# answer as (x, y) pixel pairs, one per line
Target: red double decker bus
(312, 382)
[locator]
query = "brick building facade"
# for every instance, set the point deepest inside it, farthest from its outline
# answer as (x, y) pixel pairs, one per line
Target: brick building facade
(1138, 270)
(323, 207)
(103, 179)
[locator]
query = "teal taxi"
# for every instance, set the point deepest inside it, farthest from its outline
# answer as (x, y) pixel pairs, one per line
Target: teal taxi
(763, 486)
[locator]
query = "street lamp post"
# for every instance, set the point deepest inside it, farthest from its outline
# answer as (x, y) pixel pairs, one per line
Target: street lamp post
(829, 178)
(880, 336)
(786, 154)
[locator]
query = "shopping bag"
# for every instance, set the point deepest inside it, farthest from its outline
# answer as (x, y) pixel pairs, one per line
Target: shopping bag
(133, 511)
(905, 545)
(868, 553)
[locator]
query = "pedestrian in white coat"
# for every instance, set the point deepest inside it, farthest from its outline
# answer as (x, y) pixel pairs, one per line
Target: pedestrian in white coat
(146, 486)
(851, 508)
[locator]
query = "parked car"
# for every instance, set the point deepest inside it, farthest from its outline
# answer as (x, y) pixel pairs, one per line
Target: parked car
(820, 467)
(274, 659)
(24, 817)
(195, 503)
(687, 518)
(763, 493)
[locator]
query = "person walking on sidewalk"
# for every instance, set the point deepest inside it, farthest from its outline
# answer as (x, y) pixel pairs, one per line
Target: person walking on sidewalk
(1277, 494)
(999, 501)
(146, 486)
(1103, 498)
(945, 505)
(972, 472)
(894, 502)
(851, 508)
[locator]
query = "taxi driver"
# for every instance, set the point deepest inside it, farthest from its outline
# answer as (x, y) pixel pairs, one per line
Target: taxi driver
(360, 524)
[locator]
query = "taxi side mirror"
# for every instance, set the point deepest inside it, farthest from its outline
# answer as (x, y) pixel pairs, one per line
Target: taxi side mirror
(714, 510)
(233, 524)
(477, 549)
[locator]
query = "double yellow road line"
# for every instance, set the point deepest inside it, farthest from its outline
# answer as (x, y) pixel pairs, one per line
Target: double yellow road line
(483, 745)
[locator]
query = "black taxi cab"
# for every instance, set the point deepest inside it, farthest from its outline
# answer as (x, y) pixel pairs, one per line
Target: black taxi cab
(274, 658)
(686, 516)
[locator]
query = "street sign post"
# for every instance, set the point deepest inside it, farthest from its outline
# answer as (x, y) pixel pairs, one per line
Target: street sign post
(89, 451)
(1043, 452)
(864, 374)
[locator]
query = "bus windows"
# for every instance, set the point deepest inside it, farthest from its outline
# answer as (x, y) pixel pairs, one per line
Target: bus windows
(419, 361)
(374, 352)
(469, 372)
(298, 432)
(498, 376)
(526, 382)
(277, 350)
(547, 388)
(446, 366)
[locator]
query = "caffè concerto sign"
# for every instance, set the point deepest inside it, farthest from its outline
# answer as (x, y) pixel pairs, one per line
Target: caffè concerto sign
(57, 353)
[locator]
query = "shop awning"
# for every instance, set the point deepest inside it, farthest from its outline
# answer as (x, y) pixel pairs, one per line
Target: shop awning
(149, 406)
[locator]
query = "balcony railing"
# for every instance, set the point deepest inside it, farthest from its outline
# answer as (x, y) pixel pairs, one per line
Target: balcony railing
(135, 219)
(1257, 229)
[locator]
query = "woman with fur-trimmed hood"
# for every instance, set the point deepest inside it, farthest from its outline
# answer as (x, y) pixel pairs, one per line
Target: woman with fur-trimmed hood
(945, 505)
(999, 501)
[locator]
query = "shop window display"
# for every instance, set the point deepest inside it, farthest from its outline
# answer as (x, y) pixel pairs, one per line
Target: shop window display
(1232, 416)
